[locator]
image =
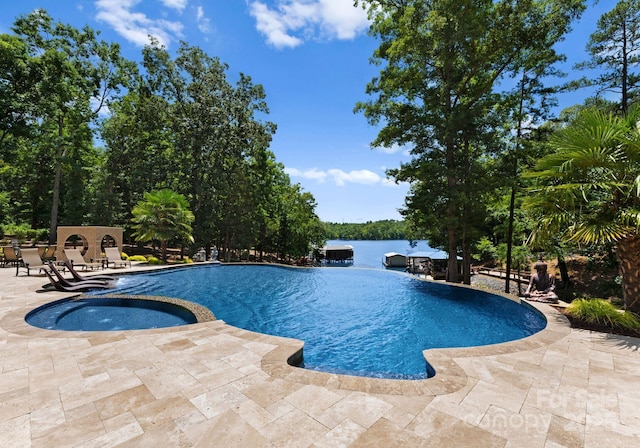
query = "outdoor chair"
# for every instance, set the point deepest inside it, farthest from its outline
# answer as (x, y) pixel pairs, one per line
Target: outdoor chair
(41, 251)
(113, 256)
(67, 287)
(11, 256)
(30, 260)
(76, 259)
(81, 281)
(50, 253)
(78, 277)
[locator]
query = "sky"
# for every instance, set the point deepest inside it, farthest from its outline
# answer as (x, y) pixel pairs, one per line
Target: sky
(313, 59)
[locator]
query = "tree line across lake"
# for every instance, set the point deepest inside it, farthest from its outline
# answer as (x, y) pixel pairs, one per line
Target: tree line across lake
(372, 230)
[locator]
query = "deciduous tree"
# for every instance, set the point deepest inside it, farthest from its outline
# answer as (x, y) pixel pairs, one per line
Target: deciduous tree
(77, 76)
(438, 95)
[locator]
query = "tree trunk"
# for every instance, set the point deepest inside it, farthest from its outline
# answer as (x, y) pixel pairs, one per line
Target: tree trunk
(512, 206)
(625, 70)
(55, 201)
(628, 253)
(227, 245)
(163, 245)
(564, 272)
(512, 201)
(452, 263)
(466, 264)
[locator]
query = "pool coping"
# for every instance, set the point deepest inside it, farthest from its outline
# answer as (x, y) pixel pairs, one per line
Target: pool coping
(449, 378)
(280, 362)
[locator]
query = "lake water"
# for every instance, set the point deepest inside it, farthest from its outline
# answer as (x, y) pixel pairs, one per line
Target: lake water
(370, 254)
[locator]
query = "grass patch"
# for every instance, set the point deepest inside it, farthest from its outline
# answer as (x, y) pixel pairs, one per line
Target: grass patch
(601, 312)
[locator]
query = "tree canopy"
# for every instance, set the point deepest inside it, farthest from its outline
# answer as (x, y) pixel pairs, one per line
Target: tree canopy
(176, 122)
(614, 48)
(438, 95)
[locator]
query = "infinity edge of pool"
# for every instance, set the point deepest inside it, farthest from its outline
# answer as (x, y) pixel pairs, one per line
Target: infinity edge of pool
(280, 362)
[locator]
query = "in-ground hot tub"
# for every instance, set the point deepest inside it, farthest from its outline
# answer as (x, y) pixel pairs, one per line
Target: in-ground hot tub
(116, 313)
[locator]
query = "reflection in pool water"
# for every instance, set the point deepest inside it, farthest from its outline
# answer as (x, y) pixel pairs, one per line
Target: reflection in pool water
(354, 321)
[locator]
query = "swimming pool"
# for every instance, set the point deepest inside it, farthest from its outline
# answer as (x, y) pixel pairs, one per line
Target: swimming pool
(353, 321)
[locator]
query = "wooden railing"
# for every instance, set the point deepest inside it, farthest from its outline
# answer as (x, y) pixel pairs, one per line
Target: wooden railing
(502, 273)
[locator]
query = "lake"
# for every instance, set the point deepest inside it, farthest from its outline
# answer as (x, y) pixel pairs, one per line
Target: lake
(370, 254)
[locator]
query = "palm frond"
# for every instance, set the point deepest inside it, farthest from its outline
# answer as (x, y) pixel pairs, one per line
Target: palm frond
(631, 218)
(598, 233)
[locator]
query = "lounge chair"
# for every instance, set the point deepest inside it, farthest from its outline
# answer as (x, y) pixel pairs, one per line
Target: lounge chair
(30, 260)
(76, 259)
(78, 287)
(68, 282)
(50, 254)
(11, 256)
(79, 278)
(41, 251)
(112, 255)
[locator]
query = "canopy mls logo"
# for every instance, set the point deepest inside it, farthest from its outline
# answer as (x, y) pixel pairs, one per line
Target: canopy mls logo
(576, 408)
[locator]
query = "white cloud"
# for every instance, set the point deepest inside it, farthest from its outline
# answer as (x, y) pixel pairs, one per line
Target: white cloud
(313, 173)
(339, 177)
(204, 25)
(404, 150)
(393, 149)
(273, 26)
(175, 4)
(390, 183)
(364, 177)
(134, 26)
(290, 22)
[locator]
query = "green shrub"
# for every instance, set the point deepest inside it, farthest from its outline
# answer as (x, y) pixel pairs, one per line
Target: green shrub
(124, 256)
(184, 260)
(137, 258)
(601, 312)
(154, 260)
(19, 232)
(485, 250)
(32, 235)
(42, 234)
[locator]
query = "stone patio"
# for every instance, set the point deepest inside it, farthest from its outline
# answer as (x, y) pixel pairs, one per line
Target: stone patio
(211, 384)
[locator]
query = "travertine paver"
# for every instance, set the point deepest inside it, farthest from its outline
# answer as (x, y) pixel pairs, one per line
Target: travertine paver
(211, 384)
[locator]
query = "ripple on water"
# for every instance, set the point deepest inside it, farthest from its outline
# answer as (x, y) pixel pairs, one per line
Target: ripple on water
(357, 321)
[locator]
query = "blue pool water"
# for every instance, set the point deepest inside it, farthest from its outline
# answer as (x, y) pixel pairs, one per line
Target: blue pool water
(108, 314)
(367, 322)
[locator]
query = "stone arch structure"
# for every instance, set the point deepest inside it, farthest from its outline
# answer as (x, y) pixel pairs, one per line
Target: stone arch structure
(93, 235)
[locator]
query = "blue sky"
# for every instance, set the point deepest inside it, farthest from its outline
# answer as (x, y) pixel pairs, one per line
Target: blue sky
(311, 56)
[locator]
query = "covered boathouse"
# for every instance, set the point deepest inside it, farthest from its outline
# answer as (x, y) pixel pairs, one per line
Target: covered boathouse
(433, 263)
(395, 260)
(339, 254)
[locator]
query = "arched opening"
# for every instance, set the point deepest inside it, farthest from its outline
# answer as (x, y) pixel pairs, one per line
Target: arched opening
(77, 241)
(108, 241)
(91, 240)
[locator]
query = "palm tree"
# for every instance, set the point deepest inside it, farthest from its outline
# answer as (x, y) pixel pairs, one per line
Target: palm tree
(161, 216)
(588, 191)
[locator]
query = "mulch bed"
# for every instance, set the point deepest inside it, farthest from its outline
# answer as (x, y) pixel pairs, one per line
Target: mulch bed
(578, 323)
(484, 281)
